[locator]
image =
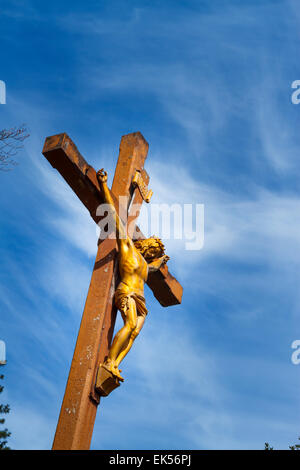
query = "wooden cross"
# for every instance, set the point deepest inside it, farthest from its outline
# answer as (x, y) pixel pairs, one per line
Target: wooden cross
(78, 411)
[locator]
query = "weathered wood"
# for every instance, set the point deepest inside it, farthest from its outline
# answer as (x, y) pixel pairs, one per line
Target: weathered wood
(78, 411)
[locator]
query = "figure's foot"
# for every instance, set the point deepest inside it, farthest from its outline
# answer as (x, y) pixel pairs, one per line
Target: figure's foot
(109, 366)
(113, 368)
(117, 373)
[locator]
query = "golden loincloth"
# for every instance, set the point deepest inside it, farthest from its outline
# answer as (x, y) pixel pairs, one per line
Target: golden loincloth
(122, 297)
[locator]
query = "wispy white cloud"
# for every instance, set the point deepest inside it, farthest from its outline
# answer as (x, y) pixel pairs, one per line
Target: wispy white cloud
(65, 278)
(263, 228)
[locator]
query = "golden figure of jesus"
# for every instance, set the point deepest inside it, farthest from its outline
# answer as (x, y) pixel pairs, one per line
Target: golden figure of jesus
(136, 260)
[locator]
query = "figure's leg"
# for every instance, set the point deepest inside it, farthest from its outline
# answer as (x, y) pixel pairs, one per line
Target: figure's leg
(122, 338)
(139, 326)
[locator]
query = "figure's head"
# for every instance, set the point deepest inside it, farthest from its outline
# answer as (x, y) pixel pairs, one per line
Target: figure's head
(150, 248)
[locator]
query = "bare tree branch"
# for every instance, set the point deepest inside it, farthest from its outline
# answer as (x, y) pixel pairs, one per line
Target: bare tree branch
(11, 141)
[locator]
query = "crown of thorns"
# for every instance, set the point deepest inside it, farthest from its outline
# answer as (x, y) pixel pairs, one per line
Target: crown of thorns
(144, 245)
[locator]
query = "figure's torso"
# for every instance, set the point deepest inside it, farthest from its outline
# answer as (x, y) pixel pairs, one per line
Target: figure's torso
(132, 267)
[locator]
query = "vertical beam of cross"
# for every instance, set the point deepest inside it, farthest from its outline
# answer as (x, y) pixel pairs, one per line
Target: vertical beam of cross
(79, 407)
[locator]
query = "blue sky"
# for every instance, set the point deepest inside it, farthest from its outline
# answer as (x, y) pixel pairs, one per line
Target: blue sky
(208, 83)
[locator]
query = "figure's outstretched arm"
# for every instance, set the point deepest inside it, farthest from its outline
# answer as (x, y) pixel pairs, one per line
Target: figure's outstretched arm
(157, 264)
(120, 229)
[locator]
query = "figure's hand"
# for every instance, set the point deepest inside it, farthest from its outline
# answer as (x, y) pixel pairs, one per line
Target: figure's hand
(102, 175)
(157, 264)
(164, 259)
